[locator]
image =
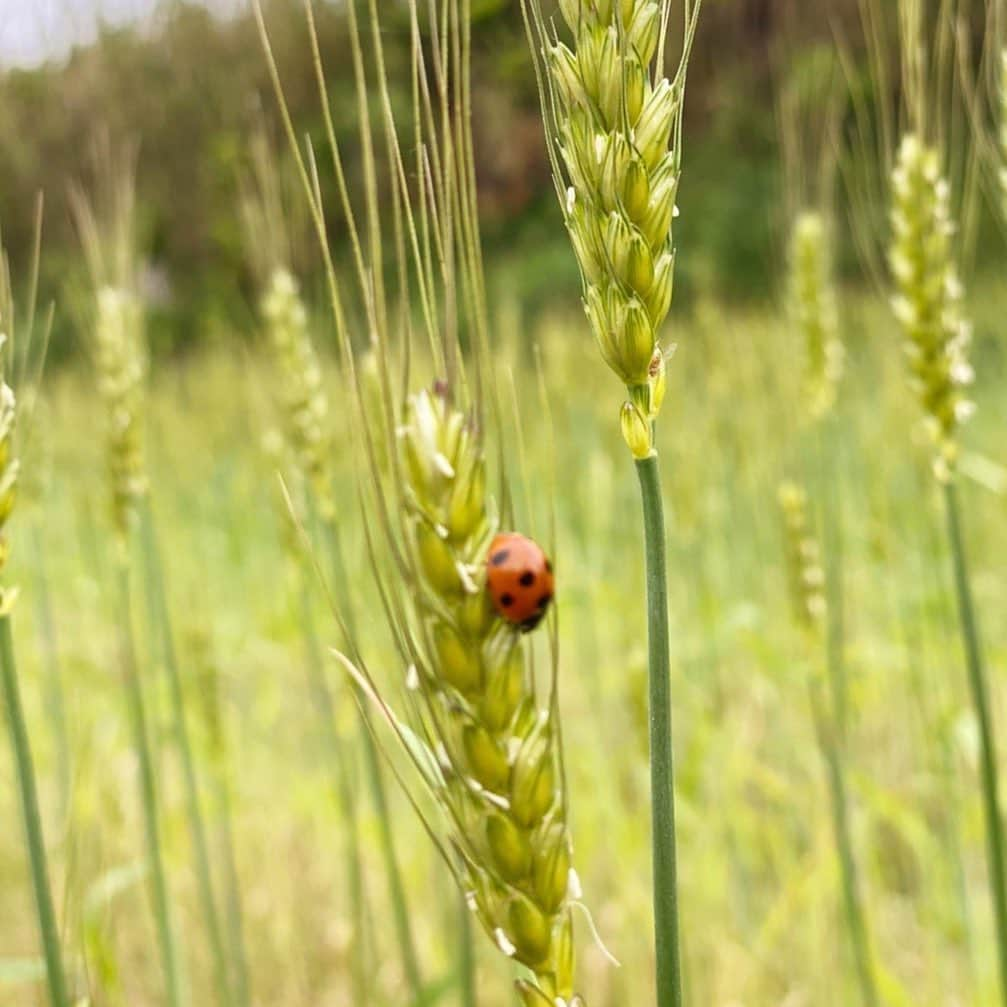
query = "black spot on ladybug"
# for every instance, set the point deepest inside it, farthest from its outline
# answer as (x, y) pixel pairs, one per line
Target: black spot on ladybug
(507, 600)
(531, 622)
(543, 602)
(527, 579)
(501, 557)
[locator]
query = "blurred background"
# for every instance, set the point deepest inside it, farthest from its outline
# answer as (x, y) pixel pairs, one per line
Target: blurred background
(763, 909)
(187, 80)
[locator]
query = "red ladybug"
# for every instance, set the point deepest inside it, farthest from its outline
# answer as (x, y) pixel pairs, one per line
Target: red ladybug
(519, 578)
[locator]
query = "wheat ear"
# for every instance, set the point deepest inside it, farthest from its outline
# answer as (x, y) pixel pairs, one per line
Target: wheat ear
(815, 314)
(928, 308)
(498, 770)
(116, 341)
(614, 132)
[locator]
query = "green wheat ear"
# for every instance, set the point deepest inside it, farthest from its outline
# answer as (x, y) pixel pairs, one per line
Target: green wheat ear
(815, 315)
(481, 730)
(804, 560)
(501, 782)
(928, 298)
(613, 123)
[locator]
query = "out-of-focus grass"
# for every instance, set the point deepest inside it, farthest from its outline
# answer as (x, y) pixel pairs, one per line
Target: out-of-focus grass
(761, 914)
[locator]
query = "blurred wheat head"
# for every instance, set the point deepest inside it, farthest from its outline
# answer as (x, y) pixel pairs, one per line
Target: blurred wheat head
(919, 142)
(811, 102)
(614, 131)
(815, 311)
(805, 576)
(479, 728)
(21, 360)
(928, 297)
(113, 320)
(274, 233)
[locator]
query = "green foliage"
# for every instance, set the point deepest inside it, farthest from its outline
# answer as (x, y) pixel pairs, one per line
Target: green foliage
(193, 89)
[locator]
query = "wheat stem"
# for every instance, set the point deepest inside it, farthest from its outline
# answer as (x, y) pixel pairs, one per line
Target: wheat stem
(32, 819)
(372, 767)
(831, 748)
(396, 889)
(55, 705)
(232, 902)
(154, 576)
(833, 734)
(343, 790)
(669, 979)
(981, 702)
(148, 788)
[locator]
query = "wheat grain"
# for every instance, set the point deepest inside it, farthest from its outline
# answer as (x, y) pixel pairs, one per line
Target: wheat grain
(928, 298)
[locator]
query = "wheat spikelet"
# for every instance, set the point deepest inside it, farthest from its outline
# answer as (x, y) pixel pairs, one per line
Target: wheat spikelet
(928, 298)
(305, 405)
(499, 774)
(121, 371)
(804, 560)
(615, 130)
(115, 326)
(813, 305)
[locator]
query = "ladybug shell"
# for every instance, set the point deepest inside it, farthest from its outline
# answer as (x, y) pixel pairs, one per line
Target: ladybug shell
(519, 579)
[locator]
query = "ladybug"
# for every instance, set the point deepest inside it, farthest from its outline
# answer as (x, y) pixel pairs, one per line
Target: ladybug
(519, 579)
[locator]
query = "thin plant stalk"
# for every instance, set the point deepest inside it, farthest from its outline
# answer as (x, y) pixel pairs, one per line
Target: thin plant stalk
(979, 687)
(148, 789)
(400, 910)
(832, 729)
(375, 782)
(154, 575)
(32, 819)
(666, 928)
(831, 746)
(232, 901)
(55, 705)
(345, 797)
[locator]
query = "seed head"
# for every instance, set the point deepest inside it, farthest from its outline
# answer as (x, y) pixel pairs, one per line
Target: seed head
(502, 785)
(813, 305)
(121, 365)
(928, 296)
(804, 559)
(617, 136)
(304, 402)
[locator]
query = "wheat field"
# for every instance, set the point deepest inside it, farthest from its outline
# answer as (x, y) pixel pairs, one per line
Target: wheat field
(210, 529)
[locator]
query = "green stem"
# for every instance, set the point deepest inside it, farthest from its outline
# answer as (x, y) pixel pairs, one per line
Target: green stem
(396, 888)
(54, 686)
(148, 788)
(832, 727)
(852, 903)
(981, 703)
(669, 968)
(235, 916)
(32, 819)
(372, 765)
(345, 798)
(197, 827)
